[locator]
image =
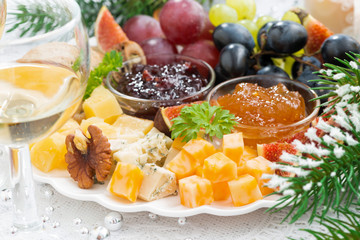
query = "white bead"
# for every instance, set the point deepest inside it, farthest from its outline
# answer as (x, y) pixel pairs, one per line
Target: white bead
(5, 195)
(99, 233)
(45, 218)
(84, 231)
(182, 221)
(13, 229)
(77, 221)
(55, 224)
(49, 210)
(153, 216)
(113, 221)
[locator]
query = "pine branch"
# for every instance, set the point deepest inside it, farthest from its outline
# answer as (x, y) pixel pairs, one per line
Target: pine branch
(346, 226)
(328, 168)
(40, 17)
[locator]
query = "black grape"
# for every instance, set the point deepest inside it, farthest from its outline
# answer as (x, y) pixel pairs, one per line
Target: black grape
(234, 60)
(336, 46)
(298, 67)
(227, 33)
(272, 70)
(261, 36)
(286, 37)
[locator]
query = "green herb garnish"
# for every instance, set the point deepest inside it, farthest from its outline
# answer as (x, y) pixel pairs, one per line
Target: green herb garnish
(112, 61)
(213, 119)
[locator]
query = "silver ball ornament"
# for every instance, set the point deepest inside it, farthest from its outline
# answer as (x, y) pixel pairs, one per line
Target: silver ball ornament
(113, 221)
(182, 221)
(99, 233)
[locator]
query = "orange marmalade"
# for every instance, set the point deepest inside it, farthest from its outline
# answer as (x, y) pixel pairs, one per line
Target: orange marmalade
(265, 107)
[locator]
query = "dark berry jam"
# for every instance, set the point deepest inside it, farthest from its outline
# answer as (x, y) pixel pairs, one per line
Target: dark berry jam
(162, 82)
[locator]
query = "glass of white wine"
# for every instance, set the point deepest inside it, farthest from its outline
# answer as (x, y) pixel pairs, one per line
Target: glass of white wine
(44, 65)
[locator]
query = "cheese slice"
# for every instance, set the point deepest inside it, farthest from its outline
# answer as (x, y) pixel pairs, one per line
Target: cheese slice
(158, 182)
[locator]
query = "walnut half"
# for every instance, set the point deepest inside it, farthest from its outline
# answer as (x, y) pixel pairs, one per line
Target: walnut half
(90, 160)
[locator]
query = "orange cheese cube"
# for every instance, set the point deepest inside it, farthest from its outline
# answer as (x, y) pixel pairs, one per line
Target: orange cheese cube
(249, 153)
(221, 191)
(178, 143)
(199, 171)
(219, 168)
(233, 146)
(183, 165)
(195, 191)
(244, 190)
(199, 149)
(126, 181)
(256, 167)
(241, 168)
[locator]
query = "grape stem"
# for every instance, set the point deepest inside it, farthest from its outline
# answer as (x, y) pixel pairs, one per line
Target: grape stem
(300, 60)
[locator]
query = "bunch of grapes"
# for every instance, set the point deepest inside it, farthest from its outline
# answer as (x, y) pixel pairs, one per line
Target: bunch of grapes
(182, 26)
(276, 47)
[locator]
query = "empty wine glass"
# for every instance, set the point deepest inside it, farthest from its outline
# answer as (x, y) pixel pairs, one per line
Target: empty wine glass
(44, 65)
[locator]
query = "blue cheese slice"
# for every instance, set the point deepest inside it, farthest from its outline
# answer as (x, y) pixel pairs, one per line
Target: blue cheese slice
(158, 182)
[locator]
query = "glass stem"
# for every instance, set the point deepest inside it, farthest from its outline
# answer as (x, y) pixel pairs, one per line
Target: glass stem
(23, 194)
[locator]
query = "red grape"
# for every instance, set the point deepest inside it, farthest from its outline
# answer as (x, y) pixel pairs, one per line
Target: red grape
(204, 50)
(182, 21)
(208, 29)
(142, 27)
(157, 45)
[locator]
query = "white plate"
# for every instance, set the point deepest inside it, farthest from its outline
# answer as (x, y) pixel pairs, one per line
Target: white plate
(169, 206)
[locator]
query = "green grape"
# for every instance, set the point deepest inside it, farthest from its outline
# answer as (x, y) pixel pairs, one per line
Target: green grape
(264, 19)
(291, 16)
(221, 13)
(288, 63)
(251, 26)
(246, 9)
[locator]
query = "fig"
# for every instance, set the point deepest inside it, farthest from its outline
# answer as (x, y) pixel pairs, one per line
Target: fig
(164, 116)
(317, 32)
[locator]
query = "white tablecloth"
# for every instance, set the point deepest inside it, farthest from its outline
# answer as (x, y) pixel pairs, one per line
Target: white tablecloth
(257, 225)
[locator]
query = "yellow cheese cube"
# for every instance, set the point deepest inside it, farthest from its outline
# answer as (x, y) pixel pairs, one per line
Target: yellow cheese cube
(126, 181)
(103, 104)
(108, 130)
(49, 153)
(126, 122)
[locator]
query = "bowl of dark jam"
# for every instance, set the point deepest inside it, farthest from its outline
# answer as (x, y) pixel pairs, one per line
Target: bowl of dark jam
(144, 84)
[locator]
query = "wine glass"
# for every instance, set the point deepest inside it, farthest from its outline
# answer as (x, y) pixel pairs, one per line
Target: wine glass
(44, 65)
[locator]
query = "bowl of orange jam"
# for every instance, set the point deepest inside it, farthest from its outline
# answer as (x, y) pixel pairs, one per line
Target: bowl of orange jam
(267, 108)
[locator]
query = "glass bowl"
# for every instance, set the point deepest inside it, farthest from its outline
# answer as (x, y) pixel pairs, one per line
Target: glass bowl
(254, 135)
(147, 108)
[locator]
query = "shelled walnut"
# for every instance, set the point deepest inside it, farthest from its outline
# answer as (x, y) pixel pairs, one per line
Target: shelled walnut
(88, 157)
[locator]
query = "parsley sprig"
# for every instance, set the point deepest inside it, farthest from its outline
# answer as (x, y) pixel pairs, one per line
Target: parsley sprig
(112, 61)
(213, 119)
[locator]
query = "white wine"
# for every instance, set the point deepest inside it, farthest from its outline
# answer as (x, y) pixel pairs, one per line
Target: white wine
(35, 100)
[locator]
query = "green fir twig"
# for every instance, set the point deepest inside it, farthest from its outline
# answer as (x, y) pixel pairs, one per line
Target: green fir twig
(328, 166)
(37, 17)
